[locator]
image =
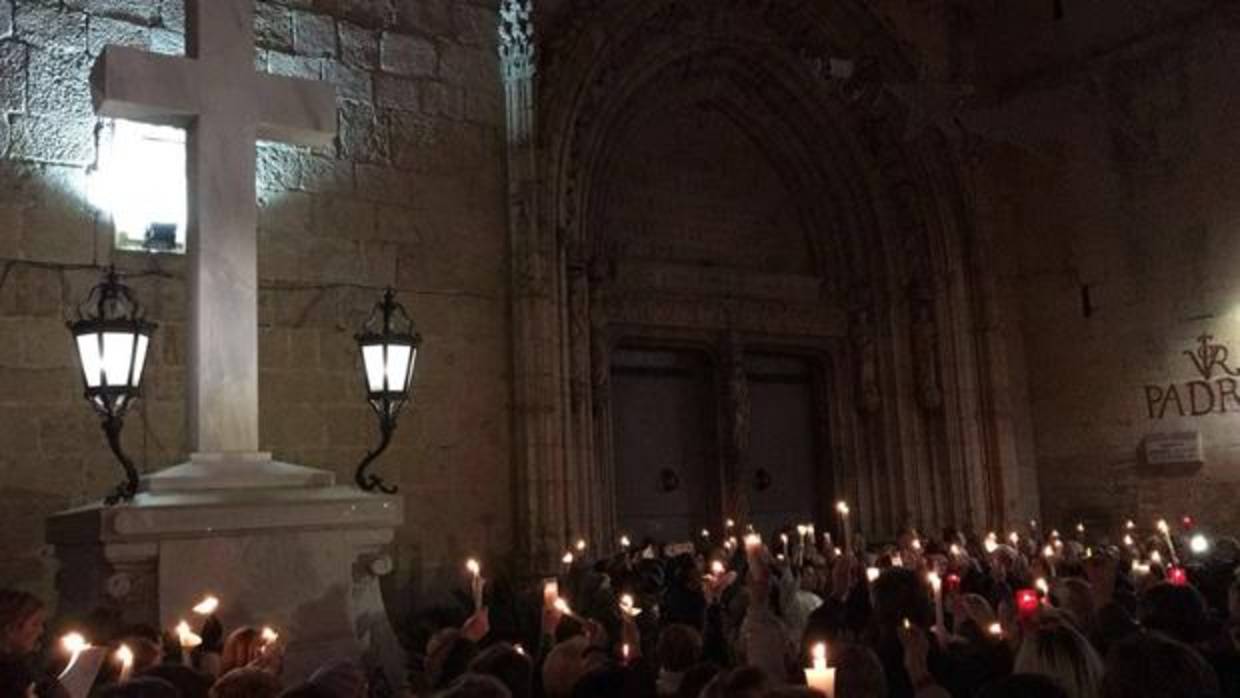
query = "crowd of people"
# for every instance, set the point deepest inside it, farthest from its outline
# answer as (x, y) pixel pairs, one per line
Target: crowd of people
(1022, 614)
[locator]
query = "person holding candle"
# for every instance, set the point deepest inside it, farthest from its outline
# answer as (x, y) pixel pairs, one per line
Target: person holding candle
(23, 618)
(1053, 648)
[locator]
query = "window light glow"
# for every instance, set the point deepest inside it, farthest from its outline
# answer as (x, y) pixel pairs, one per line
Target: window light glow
(140, 181)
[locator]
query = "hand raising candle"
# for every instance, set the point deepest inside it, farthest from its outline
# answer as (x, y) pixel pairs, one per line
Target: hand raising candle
(207, 606)
(842, 509)
(818, 676)
(475, 583)
(124, 655)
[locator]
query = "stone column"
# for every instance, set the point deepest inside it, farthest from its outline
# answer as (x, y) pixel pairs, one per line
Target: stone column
(580, 425)
(600, 394)
(537, 402)
(736, 418)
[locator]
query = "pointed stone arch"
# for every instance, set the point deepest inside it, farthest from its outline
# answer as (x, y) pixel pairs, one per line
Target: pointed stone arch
(900, 266)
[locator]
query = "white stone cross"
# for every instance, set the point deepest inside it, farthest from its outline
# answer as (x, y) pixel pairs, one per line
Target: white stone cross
(226, 106)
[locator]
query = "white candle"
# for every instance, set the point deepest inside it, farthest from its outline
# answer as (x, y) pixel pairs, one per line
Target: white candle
(207, 606)
(75, 644)
(819, 676)
(625, 543)
(842, 508)
(551, 592)
(627, 607)
(475, 583)
(188, 640)
(624, 652)
(1165, 530)
(872, 574)
(936, 585)
(124, 655)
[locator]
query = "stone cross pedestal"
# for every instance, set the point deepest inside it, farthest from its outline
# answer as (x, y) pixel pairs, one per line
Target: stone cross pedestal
(280, 544)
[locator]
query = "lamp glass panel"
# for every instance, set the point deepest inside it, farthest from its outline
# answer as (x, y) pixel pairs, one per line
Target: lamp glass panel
(117, 355)
(398, 366)
(140, 359)
(372, 356)
(413, 361)
(92, 360)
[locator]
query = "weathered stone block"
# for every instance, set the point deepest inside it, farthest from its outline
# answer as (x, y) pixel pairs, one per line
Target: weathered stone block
(273, 27)
(60, 84)
(471, 67)
(408, 55)
(350, 83)
(284, 211)
(50, 27)
(47, 344)
(359, 47)
(396, 93)
(19, 430)
(373, 14)
(475, 25)
(172, 15)
(171, 43)
(293, 66)
(138, 11)
(57, 140)
(314, 34)
(13, 58)
(361, 139)
(383, 184)
(344, 217)
(440, 99)
(431, 17)
(102, 31)
(6, 18)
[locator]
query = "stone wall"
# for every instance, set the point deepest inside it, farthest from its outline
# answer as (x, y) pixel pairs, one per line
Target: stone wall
(411, 194)
(1109, 175)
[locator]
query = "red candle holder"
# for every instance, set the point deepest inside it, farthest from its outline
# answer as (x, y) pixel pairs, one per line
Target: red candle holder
(1027, 603)
(1177, 576)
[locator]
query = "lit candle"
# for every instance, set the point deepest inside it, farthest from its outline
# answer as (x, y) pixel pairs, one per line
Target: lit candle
(1130, 524)
(551, 592)
(624, 652)
(188, 640)
(819, 676)
(730, 543)
(269, 635)
(897, 560)
(562, 606)
(995, 630)
(1165, 530)
(872, 574)
(475, 583)
(916, 545)
(581, 545)
(75, 644)
(1014, 537)
(705, 534)
(936, 586)
(717, 568)
(625, 543)
(568, 559)
(842, 508)
(1080, 529)
(519, 649)
(991, 543)
(124, 655)
(1176, 576)
(627, 608)
(729, 524)
(207, 606)
(1156, 557)
(1128, 541)
(955, 550)
(753, 541)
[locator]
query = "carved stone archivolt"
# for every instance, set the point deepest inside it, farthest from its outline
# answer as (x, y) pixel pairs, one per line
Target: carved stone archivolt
(884, 208)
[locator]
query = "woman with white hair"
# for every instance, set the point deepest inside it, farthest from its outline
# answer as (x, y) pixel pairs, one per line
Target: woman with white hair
(1054, 648)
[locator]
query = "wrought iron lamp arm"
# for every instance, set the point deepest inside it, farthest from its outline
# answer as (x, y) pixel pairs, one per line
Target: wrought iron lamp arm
(369, 482)
(127, 489)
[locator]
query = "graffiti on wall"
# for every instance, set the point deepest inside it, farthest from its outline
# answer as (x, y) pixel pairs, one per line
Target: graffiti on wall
(1214, 393)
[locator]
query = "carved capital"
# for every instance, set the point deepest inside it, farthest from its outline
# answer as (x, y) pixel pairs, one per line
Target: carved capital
(516, 40)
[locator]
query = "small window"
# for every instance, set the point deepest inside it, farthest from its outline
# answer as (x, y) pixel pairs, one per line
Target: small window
(139, 182)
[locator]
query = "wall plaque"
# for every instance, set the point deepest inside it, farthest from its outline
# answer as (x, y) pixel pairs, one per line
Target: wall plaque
(1174, 448)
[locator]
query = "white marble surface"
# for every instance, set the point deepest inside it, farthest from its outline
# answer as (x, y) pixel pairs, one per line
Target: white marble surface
(297, 558)
(227, 106)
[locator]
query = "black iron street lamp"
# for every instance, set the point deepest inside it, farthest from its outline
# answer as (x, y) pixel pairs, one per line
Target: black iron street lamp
(389, 345)
(112, 340)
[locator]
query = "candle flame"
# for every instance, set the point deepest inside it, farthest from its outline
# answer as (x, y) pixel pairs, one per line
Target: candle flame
(936, 583)
(706, 533)
(753, 540)
(1163, 528)
(187, 637)
(562, 606)
(519, 649)
(74, 643)
(730, 523)
(625, 542)
(568, 558)
(955, 550)
(207, 606)
(717, 568)
(1014, 537)
(581, 545)
(1041, 585)
(124, 655)
(1128, 541)
(872, 574)
(916, 544)
(820, 656)
(473, 567)
(269, 635)
(627, 607)
(995, 629)
(907, 625)
(842, 507)
(1048, 552)
(1130, 524)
